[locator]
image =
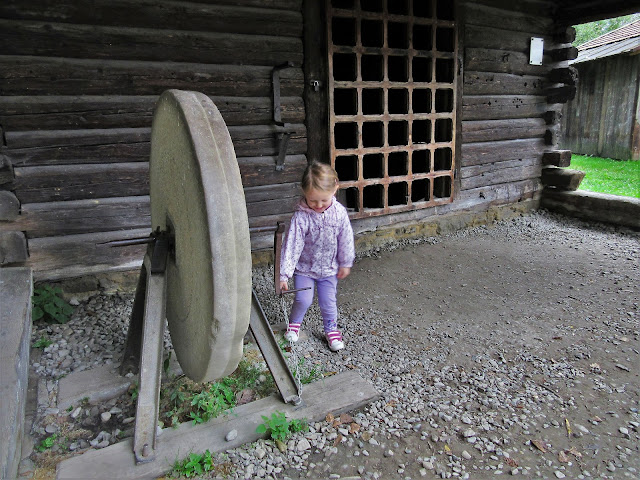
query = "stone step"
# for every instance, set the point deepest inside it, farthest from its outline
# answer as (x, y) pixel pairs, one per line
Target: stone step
(16, 288)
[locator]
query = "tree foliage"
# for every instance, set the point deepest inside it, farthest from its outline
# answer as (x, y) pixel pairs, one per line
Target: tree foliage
(591, 30)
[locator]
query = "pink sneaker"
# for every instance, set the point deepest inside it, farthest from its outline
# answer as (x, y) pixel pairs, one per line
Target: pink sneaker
(293, 332)
(334, 339)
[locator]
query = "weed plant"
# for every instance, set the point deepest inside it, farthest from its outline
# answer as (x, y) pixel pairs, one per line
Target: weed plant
(49, 305)
(279, 428)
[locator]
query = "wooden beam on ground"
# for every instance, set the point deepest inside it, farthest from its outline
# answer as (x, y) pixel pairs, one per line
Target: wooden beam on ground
(340, 393)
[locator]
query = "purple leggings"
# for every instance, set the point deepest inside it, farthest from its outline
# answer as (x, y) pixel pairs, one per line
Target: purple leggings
(326, 300)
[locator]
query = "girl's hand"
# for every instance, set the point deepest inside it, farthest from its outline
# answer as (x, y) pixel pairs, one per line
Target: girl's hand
(343, 272)
(284, 285)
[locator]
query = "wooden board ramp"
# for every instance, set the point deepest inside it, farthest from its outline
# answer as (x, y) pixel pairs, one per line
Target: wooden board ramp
(339, 393)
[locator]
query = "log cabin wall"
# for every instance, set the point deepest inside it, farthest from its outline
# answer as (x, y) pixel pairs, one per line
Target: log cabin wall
(78, 83)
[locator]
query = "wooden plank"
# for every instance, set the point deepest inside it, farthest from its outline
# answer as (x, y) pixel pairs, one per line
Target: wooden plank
(484, 107)
(21, 37)
(542, 8)
(73, 182)
(339, 393)
(159, 14)
(277, 206)
(49, 219)
(488, 168)
(497, 38)
(251, 141)
(478, 199)
(53, 258)
(21, 113)
(502, 172)
(261, 170)
(507, 18)
(53, 147)
(503, 61)
(92, 146)
(278, 4)
(70, 76)
(488, 152)
(489, 83)
(496, 130)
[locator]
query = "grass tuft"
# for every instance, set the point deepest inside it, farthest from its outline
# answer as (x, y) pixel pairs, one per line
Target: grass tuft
(605, 175)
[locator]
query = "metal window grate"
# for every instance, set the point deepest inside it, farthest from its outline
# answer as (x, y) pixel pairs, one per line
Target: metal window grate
(392, 93)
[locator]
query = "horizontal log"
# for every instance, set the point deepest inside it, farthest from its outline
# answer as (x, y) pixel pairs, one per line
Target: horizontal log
(483, 83)
(493, 167)
(22, 113)
(53, 258)
(483, 197)
(271, 192)
(502, 175)
(482, 107)
(495, 37)
(557, 158)
(257, 171)
(51, 219)
(488, 152)
(54, 147)
(502, 61)
(18, 37)
(541, 9)
(562, 178)
(496, 130)
(251, 141)
(70, 76)
(65, 147)
(507, 18)
(74, 182)
(159, 14)
(279, 206)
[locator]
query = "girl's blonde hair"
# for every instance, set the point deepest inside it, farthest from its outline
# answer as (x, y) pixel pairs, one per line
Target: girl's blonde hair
(319, 176)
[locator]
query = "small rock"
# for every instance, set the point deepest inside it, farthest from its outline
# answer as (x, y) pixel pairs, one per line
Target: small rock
(303, 445)
(105, 417)
(232, 435)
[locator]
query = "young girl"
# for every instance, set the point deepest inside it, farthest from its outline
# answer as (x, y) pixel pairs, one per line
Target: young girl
(318, 250)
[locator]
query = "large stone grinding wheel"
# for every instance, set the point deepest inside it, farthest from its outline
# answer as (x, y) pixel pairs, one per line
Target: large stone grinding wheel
(197, 195)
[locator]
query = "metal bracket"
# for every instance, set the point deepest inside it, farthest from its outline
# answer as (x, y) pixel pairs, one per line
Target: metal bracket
(283, 137)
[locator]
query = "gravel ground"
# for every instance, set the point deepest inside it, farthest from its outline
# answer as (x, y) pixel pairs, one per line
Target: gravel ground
(511, 349)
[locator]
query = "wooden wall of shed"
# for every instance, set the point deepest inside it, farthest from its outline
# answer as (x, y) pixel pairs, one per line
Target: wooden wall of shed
(602, 119)
(78, 83)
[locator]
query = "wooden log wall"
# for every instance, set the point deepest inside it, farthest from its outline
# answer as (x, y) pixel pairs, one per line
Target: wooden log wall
(602, 119)
(78, 84)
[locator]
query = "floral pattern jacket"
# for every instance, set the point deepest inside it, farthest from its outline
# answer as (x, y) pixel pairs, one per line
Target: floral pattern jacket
(317, 244)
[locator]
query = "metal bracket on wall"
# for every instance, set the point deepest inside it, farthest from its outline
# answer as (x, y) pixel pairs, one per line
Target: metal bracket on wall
(283, 136)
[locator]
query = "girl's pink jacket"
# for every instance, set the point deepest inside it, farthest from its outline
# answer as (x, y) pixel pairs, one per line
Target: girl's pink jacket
(317, 244)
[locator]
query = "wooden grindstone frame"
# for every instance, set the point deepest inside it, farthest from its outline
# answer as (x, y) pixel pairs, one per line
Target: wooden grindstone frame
(197, 274)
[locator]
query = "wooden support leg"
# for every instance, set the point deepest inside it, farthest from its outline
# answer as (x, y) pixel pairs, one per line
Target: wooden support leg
(144, 440)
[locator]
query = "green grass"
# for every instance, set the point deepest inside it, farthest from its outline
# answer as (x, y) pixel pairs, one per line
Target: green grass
(605, 175)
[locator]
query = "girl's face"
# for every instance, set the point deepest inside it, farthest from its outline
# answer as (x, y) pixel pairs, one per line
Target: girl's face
(319, 200)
